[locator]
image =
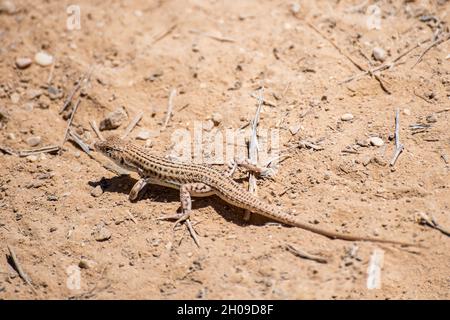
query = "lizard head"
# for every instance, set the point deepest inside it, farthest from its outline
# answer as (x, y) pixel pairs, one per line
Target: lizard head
(115, 149)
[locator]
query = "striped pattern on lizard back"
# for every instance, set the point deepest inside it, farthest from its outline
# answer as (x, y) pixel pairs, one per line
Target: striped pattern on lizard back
(160, 170)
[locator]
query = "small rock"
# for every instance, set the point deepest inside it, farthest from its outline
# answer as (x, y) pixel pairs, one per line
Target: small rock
(363, 143)
(8, 7)
(15, 98)
(33, 93)
(102, 234)
(33, 141)
(379, 54)
(29, 106)
(378, 160)
(114, 119)
(217, 118)
(432, 118)
(407, 112)
(23, 63)
(54, 93)
(295, 128)
(375, 141)
(295, 8)
(208, 125)
(32, 158)
(97, 191)
(53, 229)
(143, 134)
(347, 117)
(43, 59)
(52, 198)
(86, 264)
(44, 102)
(11, 136)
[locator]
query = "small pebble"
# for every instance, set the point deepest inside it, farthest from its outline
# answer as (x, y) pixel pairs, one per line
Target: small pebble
(103, 234)
(34, 141)
(23, 63)
(11, 136)
(32, 158)
(294, 129)
(86, 264)
(347, 117)
(44, 102)
(33, 93)
(432, 118)
(143, 134)
(217, 118)
(97, 191)
(379, 54)
(8, 7)
(375, 141)
(114, 119)
(15, 98)
(407, 112)
(295, 7)
(363, 143)
(43, 59)
(208, 125)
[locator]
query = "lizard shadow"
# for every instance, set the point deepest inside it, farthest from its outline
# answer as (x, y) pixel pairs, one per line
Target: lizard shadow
(123, 184)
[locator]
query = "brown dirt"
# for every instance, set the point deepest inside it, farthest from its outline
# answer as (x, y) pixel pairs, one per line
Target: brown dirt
(48, 214)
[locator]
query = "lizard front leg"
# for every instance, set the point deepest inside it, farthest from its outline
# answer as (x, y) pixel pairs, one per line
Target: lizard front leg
(138, 186)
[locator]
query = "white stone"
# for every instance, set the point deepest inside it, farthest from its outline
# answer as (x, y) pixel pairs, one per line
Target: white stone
(295, 7)
(375, 141)
(43, 59)
(295, 128)
(379, 54)
(347, 117)
(143, 134)
(32, 158)
(216, 118)
(34, 141)
(407, 112)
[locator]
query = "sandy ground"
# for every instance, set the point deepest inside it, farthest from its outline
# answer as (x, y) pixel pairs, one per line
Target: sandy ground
(217, 54)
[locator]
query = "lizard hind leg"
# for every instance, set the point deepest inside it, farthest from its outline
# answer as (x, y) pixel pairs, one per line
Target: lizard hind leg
(186, 191)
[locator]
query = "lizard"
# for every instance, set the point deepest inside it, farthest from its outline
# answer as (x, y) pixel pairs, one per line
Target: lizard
(199, 180)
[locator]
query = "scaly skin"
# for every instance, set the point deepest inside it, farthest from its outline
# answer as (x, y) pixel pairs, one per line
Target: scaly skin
(205, 181)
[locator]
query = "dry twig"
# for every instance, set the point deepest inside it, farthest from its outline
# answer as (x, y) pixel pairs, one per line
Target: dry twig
(96, 130)
(433, 44)
(70, 123)
(253, 149)
(172, 95)
(214, 37)
(302, 254)
(18, 267)
(424, 219)
(132, 124)
(398, 146)
(46, 149)
(83, 79)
